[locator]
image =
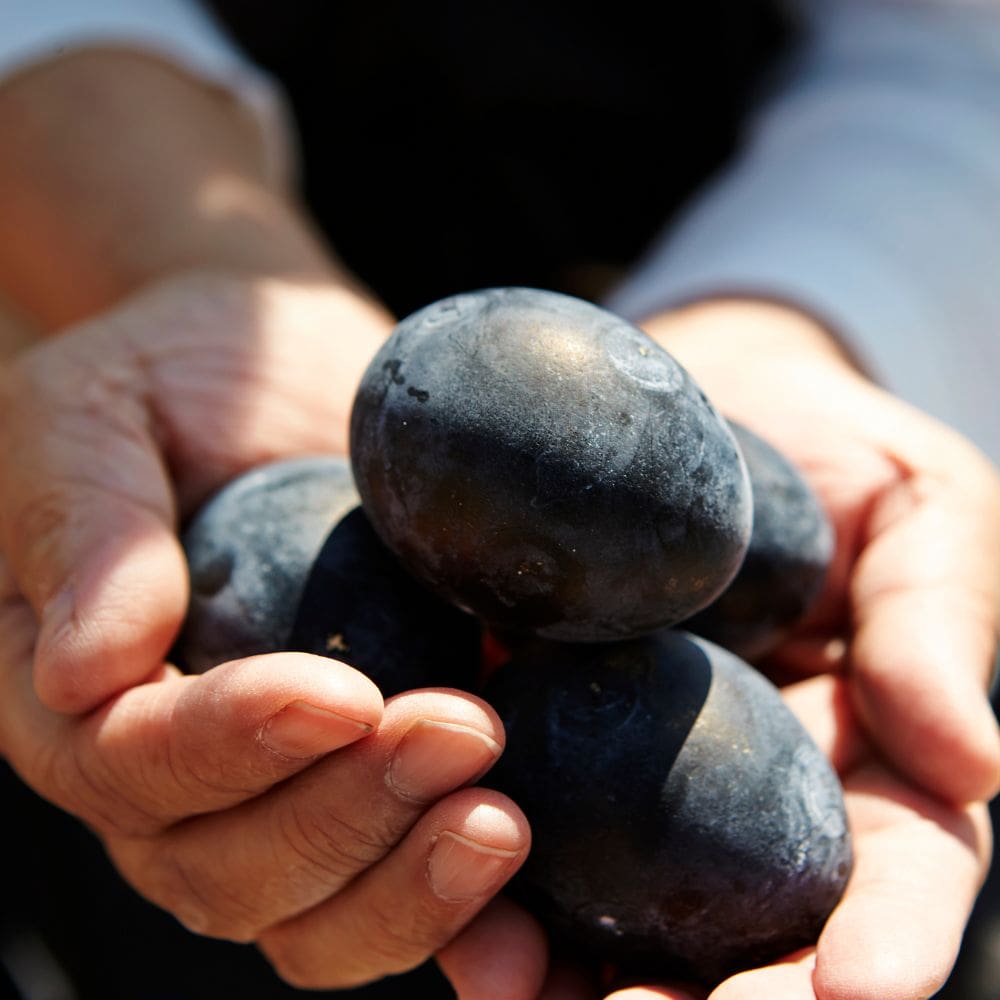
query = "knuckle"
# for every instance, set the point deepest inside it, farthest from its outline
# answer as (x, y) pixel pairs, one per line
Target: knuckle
(203, 777)
(380, 948)
(89, 791)
(291, 962)
(306, 965)
(40, 521)
(400, 938)
(187, 884)
(330, 843)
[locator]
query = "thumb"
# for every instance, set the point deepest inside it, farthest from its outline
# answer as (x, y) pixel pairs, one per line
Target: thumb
(87, 517)
(926, 597)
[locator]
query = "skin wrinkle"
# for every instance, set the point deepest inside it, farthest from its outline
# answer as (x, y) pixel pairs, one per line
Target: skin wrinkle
(93, 481)
(315, 862)
(188, 777)
(199, 375)
(323, 838)
(321, 843)
(101, 804)
(180, 882)
(149, 359)
(108, 729)
(394, 942)
(115, 597)
(156, 428)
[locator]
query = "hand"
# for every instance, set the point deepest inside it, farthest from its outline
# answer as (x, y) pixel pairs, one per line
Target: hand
(114, 430)
(911, 610)
(284, 772)
(898, 653)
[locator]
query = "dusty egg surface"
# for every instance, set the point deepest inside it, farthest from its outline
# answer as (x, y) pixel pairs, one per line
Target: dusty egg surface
(545, 464)
(249, 549)
(782, 575)
(284, 559)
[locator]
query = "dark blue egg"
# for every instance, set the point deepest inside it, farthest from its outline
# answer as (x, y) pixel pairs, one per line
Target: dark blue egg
(283, 558)
(782, 574)
(684, 824)
(545, 464)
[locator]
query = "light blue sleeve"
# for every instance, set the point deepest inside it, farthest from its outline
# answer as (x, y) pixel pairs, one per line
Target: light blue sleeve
(179, 31)
(867, 192)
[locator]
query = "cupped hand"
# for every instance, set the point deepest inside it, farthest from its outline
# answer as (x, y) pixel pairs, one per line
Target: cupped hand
(274, 799)
(911, 610)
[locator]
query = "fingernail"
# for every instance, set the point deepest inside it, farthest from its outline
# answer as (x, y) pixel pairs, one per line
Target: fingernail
(302, 730)
(436, 757)
(459, 868)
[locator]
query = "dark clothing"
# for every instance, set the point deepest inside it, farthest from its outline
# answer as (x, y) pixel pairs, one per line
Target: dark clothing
(450, 146)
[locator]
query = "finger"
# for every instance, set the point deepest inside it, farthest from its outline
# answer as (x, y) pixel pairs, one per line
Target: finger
(181, 746)
(405, 909)
(918, 868)
(926, 595)
(88, 518)
(787, 980)
(808, 653)
(231, 874)
(501, 955)
(660, 993)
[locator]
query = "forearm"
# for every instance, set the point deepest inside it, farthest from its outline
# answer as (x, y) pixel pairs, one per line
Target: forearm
(119, 170)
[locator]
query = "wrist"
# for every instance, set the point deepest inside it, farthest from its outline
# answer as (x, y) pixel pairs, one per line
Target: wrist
(726, 341)
(712, 330)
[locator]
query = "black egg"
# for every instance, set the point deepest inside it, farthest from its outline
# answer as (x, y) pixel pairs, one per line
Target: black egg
(683, 822)
(283, 558)
(791, 547)
(545, 464)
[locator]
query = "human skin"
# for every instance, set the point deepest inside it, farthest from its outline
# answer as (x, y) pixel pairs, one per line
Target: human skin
(233, 337)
